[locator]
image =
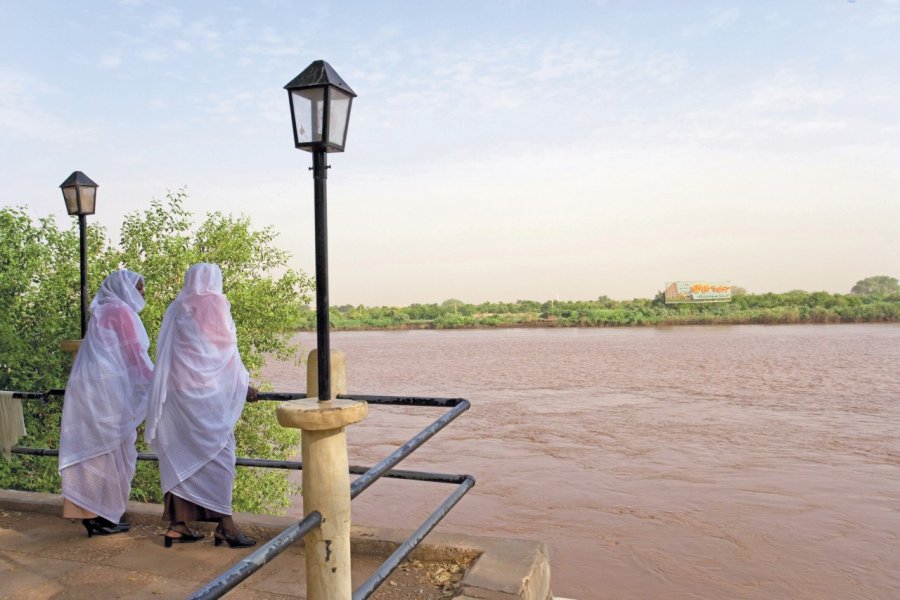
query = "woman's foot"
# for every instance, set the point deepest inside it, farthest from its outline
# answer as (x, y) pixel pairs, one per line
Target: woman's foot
(181, 533)
(228, 532)
(101, 526)
(238, 541)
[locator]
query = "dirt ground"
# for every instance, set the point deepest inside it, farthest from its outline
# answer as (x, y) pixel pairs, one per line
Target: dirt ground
(422, 580)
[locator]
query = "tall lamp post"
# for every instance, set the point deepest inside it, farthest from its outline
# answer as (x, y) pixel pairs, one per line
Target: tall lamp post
(320, 111)
(80, 194)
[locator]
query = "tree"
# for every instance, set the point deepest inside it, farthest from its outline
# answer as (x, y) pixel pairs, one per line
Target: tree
(452, 304)
(39, 306)
(879, 284)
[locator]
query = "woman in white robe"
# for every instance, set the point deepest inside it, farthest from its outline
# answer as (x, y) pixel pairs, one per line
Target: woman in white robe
(197, 395)
(105, 401)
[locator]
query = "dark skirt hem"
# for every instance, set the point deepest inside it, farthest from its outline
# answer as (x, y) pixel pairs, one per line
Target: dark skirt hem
(177, 509)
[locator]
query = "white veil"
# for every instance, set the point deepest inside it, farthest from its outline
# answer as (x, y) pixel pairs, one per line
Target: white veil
(199, 384)
(120, 286)
(106, 393)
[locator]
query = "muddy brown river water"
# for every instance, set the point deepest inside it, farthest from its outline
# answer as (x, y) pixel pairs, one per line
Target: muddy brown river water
(686, 462)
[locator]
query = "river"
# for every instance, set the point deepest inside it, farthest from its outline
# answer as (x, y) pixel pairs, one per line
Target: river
(684, 462)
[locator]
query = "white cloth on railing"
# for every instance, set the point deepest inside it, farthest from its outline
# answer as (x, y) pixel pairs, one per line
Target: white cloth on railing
(12, 422)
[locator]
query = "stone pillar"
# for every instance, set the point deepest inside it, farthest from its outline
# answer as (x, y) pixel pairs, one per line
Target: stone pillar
(338, 374)
(326, 481)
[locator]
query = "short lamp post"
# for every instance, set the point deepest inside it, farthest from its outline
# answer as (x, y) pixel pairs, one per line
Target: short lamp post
(80, 194)
(320, 109)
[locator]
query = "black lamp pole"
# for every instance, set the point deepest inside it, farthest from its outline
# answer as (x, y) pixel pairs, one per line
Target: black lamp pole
(323, 323)
(82, 231)
(80, 195)
(320, 111)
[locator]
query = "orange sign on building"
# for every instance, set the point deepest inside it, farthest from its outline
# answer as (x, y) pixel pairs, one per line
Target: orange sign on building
(697, 291)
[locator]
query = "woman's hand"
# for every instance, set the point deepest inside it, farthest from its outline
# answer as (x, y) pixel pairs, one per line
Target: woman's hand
(252, 394)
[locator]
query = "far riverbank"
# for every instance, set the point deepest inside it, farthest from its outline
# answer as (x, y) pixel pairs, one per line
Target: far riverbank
(747, 309)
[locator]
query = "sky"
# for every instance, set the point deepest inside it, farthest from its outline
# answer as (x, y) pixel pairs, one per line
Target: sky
(497, 149)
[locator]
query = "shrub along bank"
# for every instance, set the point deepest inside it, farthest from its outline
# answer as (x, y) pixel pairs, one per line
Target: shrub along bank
(790, 307)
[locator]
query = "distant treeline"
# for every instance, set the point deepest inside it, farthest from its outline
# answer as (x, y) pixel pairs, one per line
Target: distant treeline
(791, 307)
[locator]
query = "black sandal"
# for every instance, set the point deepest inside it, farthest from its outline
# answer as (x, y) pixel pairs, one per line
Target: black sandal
(238, 541)
(185, 536)
(101, 526)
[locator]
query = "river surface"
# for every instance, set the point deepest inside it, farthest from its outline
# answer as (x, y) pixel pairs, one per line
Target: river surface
(686, 462)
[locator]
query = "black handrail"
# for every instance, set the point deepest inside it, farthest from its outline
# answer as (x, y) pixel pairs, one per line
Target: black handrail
(404, 549)
(459, 405)
(371, 476)
(282, 464)
(244, 568)
(39, 395)
(253, 562)
(287, 396)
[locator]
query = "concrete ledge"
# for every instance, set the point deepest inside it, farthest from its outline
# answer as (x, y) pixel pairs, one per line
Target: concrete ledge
(503, 568)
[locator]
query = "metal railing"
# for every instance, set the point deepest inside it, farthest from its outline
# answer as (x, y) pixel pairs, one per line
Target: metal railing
(251, 563)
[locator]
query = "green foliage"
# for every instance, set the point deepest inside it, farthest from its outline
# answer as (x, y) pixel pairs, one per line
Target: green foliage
(39, 307)
(879, 284)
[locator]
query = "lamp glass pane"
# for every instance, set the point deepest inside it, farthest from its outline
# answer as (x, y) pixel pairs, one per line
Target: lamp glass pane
(69, 195)
(88, 199)
(309, 105)
(337, 119)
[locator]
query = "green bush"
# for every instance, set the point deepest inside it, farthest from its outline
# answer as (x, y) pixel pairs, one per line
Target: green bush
(40, 306)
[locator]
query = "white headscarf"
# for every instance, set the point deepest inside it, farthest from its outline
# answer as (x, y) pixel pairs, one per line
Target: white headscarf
(106, 393)
(120, 286)
(199, 384)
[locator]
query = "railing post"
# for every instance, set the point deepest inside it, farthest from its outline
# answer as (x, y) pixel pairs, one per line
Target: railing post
(326, 485)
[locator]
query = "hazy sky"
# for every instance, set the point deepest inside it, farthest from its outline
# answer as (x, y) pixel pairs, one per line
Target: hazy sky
(497, 150)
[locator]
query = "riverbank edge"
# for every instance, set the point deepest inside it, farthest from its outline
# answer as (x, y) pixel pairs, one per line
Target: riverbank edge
(502, 568)
(555, 324)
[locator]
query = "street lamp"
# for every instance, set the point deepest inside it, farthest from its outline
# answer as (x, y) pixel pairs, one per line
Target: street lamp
(320, 111)
(80, 194)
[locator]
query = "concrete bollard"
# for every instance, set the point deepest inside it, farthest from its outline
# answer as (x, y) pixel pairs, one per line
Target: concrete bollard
(326, 480)
(338, 374)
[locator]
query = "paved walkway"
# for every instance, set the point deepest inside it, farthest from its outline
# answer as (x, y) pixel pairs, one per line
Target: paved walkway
(43, 557)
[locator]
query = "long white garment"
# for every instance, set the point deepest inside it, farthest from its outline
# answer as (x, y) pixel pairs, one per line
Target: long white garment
(198, 392)
(105, 401)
